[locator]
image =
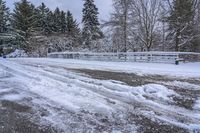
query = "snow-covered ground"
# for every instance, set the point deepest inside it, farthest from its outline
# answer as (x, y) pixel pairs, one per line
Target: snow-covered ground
(182, 70)
(76, 102)
(17, 53)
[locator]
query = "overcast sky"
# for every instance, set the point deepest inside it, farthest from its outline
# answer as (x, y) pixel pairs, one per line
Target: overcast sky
(75, 6)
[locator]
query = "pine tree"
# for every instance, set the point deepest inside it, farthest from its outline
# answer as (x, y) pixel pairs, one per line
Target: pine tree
(73, 30)
(24, 18)
(180, 20)
(8, 36)
(50, 23)
(63, 23)
(4, 15)
(42, 16)
(57, 20)
(91, 30)
(72, 26)
(24, 22)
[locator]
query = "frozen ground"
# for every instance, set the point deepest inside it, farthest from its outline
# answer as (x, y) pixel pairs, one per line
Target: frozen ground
(183, 70)
(56, 95)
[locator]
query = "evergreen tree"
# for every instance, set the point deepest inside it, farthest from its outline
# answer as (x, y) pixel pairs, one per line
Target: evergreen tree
(63, 22)
(8, 36)
(50, 23)
(57, 20)
(24, 22)
(4, 15)
(180, 22)
(91, 30)
(42, 16)
(73, 30)
(72, 26)
(23, 18)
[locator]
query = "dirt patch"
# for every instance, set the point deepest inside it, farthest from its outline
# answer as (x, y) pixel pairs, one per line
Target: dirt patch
(131, 79)
(14, 106)
(187, 97)
(143, 124)
(16, 118)
(146, 125)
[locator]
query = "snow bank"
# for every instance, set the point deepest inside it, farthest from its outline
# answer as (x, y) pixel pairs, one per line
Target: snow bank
(5, 90)
(197, 105)
(157, 91)
(3, 73)
(12, 97)
(17, 53)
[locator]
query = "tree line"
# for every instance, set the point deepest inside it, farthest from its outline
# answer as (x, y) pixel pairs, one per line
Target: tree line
(39, 29)
(164, 25)
(134, 25)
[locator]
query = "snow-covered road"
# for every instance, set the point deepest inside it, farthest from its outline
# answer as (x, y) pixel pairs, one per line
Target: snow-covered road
(183, 70)
(76, 102)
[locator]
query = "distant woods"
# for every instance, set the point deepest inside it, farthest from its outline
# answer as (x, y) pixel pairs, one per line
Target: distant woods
(134, 25)
(162, 25)
(39, 30)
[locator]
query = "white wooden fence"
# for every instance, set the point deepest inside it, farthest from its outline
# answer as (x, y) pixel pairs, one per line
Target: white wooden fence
(155, 57)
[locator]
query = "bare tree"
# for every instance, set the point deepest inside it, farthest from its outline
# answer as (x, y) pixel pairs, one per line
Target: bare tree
(143, 25)
(146, 14)
(119, 24)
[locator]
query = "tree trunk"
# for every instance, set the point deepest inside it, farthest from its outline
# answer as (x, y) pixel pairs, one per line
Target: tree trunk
(125, 30)
(177, 40)
(148, 48)
(163, 36)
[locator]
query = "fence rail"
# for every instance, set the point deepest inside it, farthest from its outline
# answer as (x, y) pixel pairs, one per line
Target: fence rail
(155, 57)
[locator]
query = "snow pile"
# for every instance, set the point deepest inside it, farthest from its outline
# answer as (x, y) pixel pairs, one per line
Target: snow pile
(12, 97)
(150, 93)
(157, 91)
(3, 73)
(5, 90)
(197, 105)
(17, 53)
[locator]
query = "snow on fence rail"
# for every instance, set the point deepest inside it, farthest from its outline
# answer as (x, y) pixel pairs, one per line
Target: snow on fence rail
(155, 57)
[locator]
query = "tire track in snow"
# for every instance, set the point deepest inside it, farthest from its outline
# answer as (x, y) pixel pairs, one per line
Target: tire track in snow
(98, 89)
(179, 113)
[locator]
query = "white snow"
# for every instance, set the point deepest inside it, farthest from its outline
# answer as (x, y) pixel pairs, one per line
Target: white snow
(185, 70)
(17, 53)
(12, 97)
(183, 85)
(197, 105)
(5, 90)
(158, 91)
(51, 80)
(3, 73)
